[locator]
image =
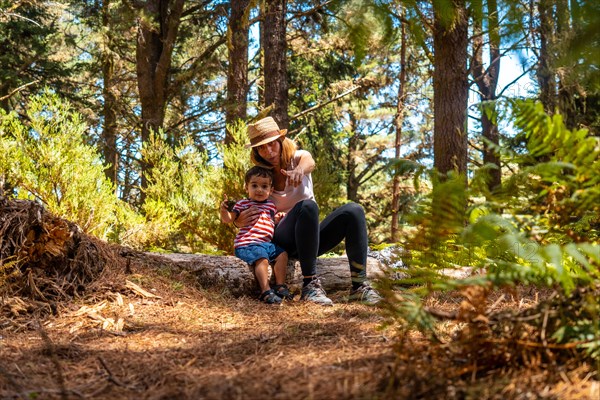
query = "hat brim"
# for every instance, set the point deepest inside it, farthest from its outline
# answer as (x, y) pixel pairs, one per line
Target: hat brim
(282, 132)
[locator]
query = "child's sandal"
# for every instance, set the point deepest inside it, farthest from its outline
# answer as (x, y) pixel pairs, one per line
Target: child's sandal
(283, 291)
(269, 297)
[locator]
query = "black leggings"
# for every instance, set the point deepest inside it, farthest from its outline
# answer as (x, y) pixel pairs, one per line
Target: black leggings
(301, 235)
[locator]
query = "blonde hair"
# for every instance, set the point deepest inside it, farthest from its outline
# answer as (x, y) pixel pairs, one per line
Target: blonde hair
(288, 148)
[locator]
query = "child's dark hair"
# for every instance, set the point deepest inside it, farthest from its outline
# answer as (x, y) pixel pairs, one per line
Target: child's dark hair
(260, 172)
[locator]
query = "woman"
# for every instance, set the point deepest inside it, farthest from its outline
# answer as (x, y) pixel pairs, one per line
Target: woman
(299, 232)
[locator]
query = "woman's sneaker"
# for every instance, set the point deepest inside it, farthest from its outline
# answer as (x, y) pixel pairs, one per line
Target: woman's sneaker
(314, 292)
(269, 297)
(283, 291)
(365, 294)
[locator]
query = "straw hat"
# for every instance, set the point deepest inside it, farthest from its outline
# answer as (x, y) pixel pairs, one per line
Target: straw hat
(264, 131)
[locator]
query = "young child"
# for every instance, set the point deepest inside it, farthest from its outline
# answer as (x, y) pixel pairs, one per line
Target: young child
(253, 242)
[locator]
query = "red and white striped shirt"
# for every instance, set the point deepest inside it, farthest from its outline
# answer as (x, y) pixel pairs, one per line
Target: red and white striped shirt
(262, 231)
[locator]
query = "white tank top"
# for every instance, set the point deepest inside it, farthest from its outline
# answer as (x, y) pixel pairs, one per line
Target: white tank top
(287, 198)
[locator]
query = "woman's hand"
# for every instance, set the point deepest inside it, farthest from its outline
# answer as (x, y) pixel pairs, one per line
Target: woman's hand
(247, 217)
(294, 177)
(278, 217)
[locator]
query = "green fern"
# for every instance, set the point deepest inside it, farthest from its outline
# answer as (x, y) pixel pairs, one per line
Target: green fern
(523, 245)
(570, 157)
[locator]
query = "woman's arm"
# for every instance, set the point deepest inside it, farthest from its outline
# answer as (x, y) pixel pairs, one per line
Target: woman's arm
(247, 217)
(305, 166)
(307, 162)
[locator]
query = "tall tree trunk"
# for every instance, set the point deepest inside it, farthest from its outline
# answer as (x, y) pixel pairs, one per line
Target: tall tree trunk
(352, 181)
(128, 182)
(487, 82)
(237, 74)
(260, 79)
(398, 120)
(275, 60)
(545, 74)
(157, 32)
(567, 92)
(109, 131)
(450, 88)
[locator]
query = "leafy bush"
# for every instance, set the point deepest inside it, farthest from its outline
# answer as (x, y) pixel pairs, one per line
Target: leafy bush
(44, 157)
(184, 193)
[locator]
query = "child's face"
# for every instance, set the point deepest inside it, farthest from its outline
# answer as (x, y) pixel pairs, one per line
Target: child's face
(259, 188)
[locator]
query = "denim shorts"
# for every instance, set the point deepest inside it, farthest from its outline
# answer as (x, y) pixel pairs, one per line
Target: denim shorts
(254, 252)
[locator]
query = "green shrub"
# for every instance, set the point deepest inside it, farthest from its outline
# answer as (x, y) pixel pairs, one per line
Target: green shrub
(184, 193)
(44, 157)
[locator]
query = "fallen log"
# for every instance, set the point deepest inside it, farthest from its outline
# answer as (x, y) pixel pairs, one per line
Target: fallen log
(231, 273)
(47, 258)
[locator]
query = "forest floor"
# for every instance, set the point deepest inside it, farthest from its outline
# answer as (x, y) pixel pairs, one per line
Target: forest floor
(154, 334)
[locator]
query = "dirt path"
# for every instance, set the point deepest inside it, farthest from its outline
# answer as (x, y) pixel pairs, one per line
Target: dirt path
(167, 339)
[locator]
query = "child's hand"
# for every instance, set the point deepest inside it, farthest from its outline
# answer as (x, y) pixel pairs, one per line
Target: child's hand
(224, 203)
(227, 205)
(279, 216)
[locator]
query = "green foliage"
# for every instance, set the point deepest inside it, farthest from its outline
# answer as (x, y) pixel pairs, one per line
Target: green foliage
(366, 22)
(573, 157)
(165, 192)
(236, 161)
(585, 329)
(557, 182)
(446, 12)
(184, 193)
(230, 181)
(519, 245)
(37, 53)
(45, 157)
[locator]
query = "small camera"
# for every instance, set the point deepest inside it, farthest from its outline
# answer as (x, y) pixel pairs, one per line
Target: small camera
(230, 204)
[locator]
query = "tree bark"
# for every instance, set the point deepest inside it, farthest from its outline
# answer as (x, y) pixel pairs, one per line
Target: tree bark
(352, 181)
(274, 46)
(109, 131)
(545, 74)
(398, 120)
(450, 86)
(237, 74)
(487, 83)
(158, 24)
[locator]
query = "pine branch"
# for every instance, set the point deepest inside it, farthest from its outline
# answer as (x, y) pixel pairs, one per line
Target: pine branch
(309, 12)
(321, 105)
(18, 90)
